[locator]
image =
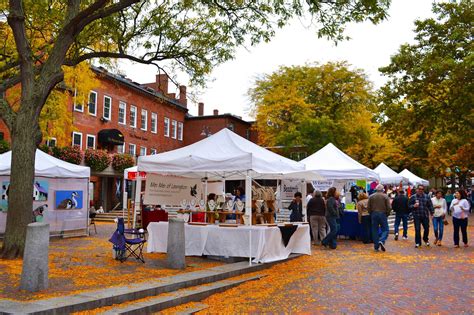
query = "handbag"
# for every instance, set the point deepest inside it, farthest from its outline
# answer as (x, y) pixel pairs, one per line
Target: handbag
(445, 221)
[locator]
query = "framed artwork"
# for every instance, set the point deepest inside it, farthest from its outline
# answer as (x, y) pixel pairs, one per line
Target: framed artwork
(40, 193)
(68, 199)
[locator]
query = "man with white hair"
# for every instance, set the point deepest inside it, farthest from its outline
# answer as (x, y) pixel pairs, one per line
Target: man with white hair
(379, 209)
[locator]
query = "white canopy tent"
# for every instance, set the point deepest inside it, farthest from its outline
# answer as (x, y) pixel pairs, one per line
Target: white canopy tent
(389, 176)
(222, 156)
(413, 179)
(332, 163)
(53, 176)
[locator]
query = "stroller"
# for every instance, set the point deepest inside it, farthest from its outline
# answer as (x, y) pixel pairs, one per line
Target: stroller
(124, 247)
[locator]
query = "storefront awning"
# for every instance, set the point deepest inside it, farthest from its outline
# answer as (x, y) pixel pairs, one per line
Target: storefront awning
(110, 136)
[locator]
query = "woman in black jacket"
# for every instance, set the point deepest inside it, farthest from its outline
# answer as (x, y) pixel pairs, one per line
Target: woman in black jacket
(332, 216)
(296, 207)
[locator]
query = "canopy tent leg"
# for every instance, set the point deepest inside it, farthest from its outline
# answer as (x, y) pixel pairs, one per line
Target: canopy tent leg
(205, 197)
(124, 197)
(248, 210)
(304, 193)
(136, 206)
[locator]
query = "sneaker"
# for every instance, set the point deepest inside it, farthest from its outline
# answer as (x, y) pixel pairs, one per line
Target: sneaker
(466, 245)
(439, 243)
(436, 242)
(418, 245)
(396, 236)
(382, 246)
(405, 237)
(456, 246)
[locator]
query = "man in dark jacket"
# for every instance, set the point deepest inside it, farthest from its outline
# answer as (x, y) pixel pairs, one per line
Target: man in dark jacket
(421, 206)
(400, 206)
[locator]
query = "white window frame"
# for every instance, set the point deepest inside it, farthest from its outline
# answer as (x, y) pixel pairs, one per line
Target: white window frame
(174, 129)
(154, 123)
(144, 111)
(134, 149)
(124, 106)
(166, 127)
(142, 148)
(180, 131)
(48, 142)
(76, 108)
(87, 141)
(133, 122)
(88, 107)
(123, 148)
(110, 109)
(76, 133)
(153, 151)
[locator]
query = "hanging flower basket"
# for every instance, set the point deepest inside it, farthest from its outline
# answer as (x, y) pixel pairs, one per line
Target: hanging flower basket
(122, 161)
(97, 160)
(69, 154)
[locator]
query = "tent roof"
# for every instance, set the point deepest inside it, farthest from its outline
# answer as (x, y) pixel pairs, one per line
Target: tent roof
(413, 179)
(388, 176)
(332, 163)
(47, 166)
(222, 155)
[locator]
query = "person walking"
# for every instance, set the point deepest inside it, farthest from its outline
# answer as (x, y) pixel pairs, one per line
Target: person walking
(316, 211)
(449, 198)
(400, 206)
(460, 210)
(364, 218)
(440, 208)
(421, 206)
(332, 216)
(296, 207)
(379, 209)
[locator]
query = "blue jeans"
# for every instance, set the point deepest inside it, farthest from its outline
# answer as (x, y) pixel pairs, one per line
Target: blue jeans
(404, 219)
(379, 219)
(419, 221)
(438, 227)
(331, 237)
(366, 229)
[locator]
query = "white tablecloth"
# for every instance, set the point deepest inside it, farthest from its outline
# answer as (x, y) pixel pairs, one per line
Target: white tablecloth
(267, 244)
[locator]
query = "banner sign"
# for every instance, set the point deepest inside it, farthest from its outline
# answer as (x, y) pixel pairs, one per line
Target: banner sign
(322, 185)
(288, 188)
(133, 175)
(169, 190)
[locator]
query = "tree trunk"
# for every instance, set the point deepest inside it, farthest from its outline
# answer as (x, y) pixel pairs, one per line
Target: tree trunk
(25, 135)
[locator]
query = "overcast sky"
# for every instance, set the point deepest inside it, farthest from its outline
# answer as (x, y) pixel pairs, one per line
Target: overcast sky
(370, 47)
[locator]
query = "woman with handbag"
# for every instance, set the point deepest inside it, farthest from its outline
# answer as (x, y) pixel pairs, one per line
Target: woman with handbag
(460, 209)
(440, 208)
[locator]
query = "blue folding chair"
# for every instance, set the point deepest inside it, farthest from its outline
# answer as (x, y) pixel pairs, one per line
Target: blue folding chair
(125, 247)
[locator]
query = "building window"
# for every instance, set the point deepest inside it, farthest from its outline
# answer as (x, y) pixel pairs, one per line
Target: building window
(132, 149)
(247, 134)
(78, 107)
(51, 142)
(77, 139)
(144, 119)
(92, 105)
(90, 142)
(133, 116)
(142, 151)
(107, 107)
(180, 131)
(167, 127)
(122, 118)
(152, 151)
(154, 121)
(230, 127)
(121, 148)
(173, 129)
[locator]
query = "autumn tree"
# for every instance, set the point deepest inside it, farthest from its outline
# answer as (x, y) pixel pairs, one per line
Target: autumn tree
(42, 37)
(426, 105)
(312, 105)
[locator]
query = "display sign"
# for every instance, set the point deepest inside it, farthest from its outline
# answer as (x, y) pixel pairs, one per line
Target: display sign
(322, 185)
(288, 188)
(133, 175)
(170, 190)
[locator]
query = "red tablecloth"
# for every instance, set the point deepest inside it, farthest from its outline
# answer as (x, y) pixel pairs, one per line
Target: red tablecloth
(153, 216)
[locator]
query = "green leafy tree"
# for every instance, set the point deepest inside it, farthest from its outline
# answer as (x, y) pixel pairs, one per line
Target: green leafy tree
(310, 106)
(41, 37)
(426, 106)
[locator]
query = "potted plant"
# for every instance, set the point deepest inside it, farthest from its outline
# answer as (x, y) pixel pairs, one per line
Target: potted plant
(69, 154)
(97, 160)
(121, 161)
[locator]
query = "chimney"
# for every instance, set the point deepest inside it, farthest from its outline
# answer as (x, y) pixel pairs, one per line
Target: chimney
(200, 109)
(216, 112)
(162, 83)
(182, 96)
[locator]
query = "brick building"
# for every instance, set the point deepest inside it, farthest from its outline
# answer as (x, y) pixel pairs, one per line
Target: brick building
(201, 126)
(123, 116)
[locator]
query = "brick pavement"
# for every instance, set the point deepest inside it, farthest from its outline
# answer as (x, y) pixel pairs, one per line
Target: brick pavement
(356, 280)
